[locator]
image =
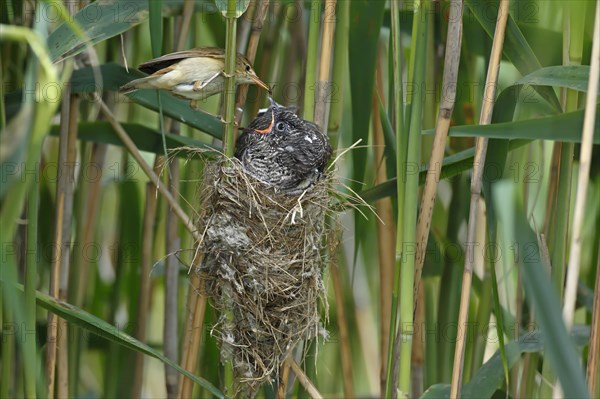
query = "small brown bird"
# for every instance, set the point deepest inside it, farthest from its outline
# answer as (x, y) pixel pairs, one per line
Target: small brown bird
(194, 74)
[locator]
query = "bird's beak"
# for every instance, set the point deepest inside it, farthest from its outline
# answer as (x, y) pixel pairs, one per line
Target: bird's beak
(273, 103)
(259, 82)
(268, 128)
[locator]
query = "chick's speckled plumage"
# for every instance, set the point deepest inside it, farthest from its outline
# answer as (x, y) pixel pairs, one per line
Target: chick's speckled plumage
(283, 150)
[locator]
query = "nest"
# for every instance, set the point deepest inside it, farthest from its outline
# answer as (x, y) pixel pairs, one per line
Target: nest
(263, 267)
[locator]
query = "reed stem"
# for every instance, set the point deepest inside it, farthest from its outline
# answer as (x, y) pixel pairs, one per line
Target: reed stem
(485, 118)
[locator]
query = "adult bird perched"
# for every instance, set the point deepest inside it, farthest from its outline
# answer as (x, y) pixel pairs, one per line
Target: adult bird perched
(283, 150)
(194, 74)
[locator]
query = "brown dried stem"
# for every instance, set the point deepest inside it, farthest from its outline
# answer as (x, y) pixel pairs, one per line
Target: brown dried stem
(144, 298)
(324, 71)
(196, 308)
(171, 282)
(594, 350)
(343, 330)
(62, 389)
(173, 243)
(284, 378)
(489, 97)
(386, 234)
(449, 84)
(580, 198)
(257, 25)
(305, 381)
(62, 229)
(583, 177)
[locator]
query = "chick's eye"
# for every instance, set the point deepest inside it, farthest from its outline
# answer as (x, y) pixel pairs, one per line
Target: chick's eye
(280, 126)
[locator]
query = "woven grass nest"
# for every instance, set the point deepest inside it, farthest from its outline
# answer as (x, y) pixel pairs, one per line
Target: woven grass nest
(263, 267)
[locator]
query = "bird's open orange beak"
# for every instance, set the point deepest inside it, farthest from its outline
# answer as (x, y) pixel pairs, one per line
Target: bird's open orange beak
(268, 128)
(261, 83)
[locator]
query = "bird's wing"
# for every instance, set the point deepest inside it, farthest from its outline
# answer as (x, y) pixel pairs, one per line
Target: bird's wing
(241, 144)
(303, 157)
(168, 60)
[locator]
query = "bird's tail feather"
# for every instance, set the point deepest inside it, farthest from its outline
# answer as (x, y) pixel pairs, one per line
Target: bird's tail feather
(142, 83)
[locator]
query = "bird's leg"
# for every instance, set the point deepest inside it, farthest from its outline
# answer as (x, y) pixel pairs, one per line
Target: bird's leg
(223, 121)
(235, 124)
(194, 104)
(199, 84)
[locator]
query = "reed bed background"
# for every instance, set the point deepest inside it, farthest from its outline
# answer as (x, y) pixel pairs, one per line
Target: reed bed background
(474, 277)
